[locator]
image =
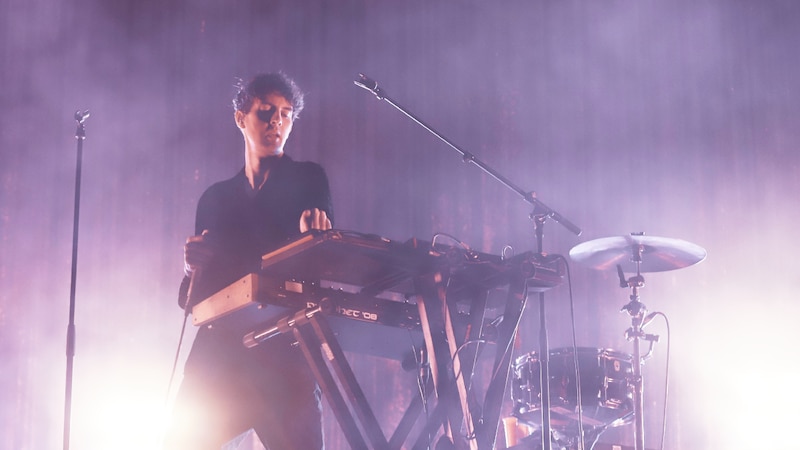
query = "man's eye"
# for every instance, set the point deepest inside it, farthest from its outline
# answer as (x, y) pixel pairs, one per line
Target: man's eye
(265, 115)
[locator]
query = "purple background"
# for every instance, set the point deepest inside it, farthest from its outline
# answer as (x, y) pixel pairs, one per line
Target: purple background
(675, 118)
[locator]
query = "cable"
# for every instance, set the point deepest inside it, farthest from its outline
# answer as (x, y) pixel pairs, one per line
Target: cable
(175, 361)
(516, 327)
(461, 347)
(187, 309)
(470, 433)
(423, 372)
(187, 303)
(666, 381)
(453, 238)
(576, 360)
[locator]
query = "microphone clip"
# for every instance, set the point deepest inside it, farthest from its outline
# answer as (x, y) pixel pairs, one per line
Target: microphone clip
(369, 84)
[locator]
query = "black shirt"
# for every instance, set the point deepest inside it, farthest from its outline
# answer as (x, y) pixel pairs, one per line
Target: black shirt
(245, 224)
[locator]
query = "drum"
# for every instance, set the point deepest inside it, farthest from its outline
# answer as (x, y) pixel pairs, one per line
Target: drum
(606, 393)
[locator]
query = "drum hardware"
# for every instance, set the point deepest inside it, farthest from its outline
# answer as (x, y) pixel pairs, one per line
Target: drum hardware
(605, 401)
(642, 254)
(563, 441)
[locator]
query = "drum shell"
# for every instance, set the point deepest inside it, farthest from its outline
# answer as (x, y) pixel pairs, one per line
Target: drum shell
(606, 393)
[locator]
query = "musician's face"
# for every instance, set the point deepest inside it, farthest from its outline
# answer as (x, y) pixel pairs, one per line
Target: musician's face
(267, 125)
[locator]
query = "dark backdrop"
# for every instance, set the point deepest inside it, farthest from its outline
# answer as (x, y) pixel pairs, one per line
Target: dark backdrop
(675, 118)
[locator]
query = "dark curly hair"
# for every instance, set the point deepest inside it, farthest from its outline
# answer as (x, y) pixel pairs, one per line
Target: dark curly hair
(264, 84)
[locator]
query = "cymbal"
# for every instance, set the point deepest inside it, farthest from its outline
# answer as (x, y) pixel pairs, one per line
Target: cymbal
(657, 254)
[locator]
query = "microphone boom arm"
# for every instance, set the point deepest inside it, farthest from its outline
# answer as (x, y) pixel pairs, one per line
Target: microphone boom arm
(540, 208)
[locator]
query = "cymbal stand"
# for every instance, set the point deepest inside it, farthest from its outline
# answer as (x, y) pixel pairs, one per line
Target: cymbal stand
(635, 333)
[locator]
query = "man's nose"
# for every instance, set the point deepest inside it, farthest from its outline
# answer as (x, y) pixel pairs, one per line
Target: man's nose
(275, 119)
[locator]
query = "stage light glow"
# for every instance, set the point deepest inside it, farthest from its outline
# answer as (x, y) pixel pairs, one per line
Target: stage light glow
(124, 411)
(745, 389)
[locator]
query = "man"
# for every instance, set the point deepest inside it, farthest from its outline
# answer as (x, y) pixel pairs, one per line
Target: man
(228, 389)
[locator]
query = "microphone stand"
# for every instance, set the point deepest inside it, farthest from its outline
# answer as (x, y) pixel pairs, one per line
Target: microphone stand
(467, 157)
(80, 135)
(540, 214)
(544, 345)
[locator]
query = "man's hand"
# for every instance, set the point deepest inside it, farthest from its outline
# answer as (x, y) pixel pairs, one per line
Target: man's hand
(314, 219)
(197, 253)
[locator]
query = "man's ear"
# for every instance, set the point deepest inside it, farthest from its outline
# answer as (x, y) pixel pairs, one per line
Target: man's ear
(238, 117)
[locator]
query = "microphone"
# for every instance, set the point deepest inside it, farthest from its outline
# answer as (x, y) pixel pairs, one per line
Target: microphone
(369, 84)
(81, 116)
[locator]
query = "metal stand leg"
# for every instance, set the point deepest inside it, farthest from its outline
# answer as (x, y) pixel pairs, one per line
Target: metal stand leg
(345, 397)
(636, 310)
(440, 340)
(507, 332)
